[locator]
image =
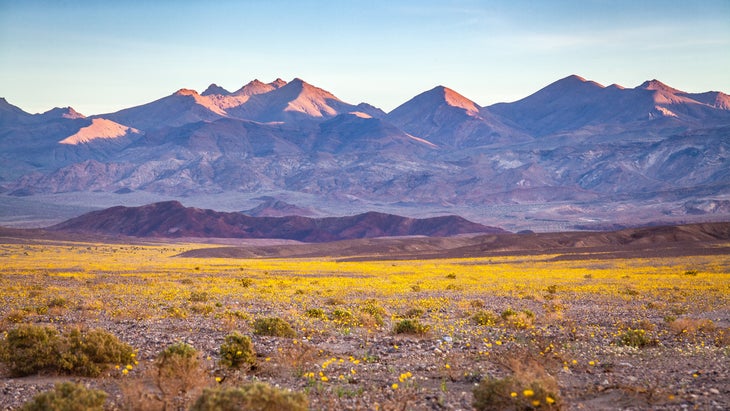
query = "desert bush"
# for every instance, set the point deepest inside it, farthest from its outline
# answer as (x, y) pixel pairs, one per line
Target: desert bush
(410, 326)
(529, 387)
(237, 350)
(29, 349)
(521, 319)
(373, 308)
(691, 325)
(316, 313)
(512, 394)
(198, 296)
(16, 316)
(178, 368)
(274, 327)
(255, 397)
(485, 318)
(67, 396)
(635, 338)
(89, 353)
(245, 282)
(414, 313)
(342, 316)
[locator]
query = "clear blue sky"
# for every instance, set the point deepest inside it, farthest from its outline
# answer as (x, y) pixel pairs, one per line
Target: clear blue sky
(101, 56)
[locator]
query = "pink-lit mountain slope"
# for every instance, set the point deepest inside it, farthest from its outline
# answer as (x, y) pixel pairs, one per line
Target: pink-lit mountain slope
(575, 103)
(448, 119)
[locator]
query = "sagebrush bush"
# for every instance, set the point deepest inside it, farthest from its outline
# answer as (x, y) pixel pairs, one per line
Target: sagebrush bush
(485, 318)
(521, 319)
(254, 397)
(67, 396)
(316, 313)
(90, 352)
(410, 326)
(29, 349)
(237, 350)
(635, 338)
(274, 327)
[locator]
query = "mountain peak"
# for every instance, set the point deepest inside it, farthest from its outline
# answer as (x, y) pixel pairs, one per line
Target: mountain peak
(657, 85)
(186, 92)
(254, 87)
(65, 112)
(278, 83)
(575, 80)
(215, 89)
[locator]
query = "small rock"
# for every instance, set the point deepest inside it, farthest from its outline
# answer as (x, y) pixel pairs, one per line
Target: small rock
(714, 391)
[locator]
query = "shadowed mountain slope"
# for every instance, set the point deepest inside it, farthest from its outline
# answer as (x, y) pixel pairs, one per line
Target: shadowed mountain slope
(172, 220)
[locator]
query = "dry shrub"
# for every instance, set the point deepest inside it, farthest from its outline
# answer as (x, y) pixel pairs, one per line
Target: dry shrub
(176, 379)
(529, 387)
(179, 369)
(691, 325)
(290, 359)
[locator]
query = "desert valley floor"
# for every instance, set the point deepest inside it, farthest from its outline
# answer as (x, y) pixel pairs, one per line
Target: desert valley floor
(570, 329)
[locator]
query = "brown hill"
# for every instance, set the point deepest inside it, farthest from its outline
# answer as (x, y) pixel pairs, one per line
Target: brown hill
(694, 239)
(172, 220)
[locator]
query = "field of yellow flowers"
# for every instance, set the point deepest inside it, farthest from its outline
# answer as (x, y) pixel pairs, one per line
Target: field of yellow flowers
(526, 332)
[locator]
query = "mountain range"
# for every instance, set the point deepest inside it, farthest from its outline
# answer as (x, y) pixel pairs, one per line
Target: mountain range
(575, 153)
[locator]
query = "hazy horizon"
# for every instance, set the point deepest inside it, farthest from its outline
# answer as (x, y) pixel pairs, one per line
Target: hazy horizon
(100, 57)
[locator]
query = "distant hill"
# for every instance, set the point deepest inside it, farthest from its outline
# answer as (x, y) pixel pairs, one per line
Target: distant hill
(172, 220)
(647, 242)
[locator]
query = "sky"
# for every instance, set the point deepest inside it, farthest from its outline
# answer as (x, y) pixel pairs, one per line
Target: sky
(102, 56)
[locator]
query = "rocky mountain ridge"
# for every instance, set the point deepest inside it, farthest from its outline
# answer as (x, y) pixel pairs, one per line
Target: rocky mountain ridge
(607, 154)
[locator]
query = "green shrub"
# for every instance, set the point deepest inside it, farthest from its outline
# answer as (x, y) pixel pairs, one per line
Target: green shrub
(635, 338)
(485, 318)
(29, 349)
(198, 296)
(341, 316)
(374, 310)
(274, 327)
(91, 352)
(414, 313)
(67, 396)
(254, 397)
(315, 313)
(409, 326)
(237, 350)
